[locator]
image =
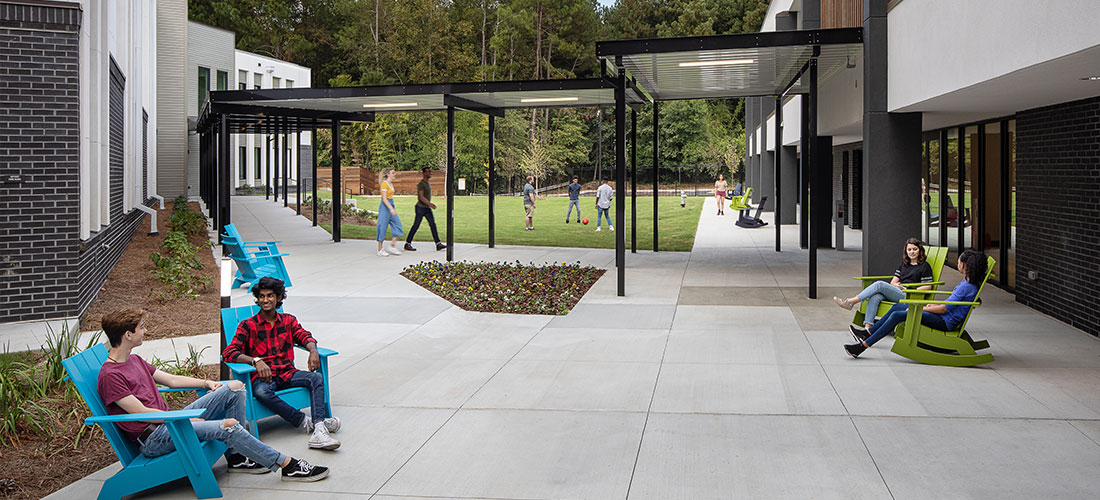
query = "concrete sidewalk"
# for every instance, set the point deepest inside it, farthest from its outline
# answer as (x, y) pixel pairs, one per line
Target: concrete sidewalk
(714, 378)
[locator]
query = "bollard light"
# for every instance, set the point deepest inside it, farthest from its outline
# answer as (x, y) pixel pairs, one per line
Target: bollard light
(683, 199)
(226, 288)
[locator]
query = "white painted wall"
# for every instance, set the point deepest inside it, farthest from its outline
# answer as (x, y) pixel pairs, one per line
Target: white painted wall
(263, 71)
(939, 46)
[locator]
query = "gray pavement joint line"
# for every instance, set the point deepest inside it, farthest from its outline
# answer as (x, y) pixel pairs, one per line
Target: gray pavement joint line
(390, 343)
(1028, 394)
(1071, 424)
(456, 410)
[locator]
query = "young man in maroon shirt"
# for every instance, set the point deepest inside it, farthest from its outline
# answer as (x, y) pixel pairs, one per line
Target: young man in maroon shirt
(127, 384)
(267, 341)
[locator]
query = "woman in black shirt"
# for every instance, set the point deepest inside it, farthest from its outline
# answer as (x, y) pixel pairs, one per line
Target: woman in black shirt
(913, 269)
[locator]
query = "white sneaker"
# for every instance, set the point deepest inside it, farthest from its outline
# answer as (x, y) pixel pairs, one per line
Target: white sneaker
(307, 425)
(332, 424)
(612, 228)
(393, 250)
(383, 253)
(321, 440)
(597, 229)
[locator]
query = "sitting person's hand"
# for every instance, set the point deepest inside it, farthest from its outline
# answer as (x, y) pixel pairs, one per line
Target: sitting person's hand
(263, 371)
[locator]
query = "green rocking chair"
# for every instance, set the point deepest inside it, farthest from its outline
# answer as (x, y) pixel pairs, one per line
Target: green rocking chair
(935, 256)
(927, 345)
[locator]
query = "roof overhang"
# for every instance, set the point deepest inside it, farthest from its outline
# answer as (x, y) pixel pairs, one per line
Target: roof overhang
(306, 108)
(741, 65)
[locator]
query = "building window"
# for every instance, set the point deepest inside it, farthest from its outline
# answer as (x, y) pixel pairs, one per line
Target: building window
(204, 85)
(256, 164)
(290, 84)
(257, 80)
(275, 82)
(242, 163)
(223, 80)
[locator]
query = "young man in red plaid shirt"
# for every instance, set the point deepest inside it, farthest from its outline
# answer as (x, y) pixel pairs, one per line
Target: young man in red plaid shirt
(266, 341)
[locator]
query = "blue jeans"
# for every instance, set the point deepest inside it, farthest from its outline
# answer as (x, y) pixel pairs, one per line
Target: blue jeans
(423, 213)
(895, 316)
(312, 381)
(385, 219)
(875, 294)
(604, 212)
(221, 404)
(573, 203)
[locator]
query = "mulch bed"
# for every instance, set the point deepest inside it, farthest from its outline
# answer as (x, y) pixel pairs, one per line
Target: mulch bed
(131, 284)
(503, 287)
(39, 465)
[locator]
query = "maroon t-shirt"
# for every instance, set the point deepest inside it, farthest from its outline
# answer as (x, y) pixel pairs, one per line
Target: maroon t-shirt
(132, 377)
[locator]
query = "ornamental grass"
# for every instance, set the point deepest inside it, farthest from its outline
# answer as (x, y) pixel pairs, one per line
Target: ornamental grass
(506, 287)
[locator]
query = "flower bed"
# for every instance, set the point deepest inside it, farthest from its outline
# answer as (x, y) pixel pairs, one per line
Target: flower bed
(506, 287)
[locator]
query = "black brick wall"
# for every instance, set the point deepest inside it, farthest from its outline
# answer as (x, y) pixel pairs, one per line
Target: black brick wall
(853, 211)
(100, 254)
(40, 144)
(1058, 211)
(117, 149)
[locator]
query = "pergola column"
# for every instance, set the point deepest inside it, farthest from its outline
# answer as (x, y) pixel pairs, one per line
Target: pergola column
(267, 166)
(778, 219)
(313, 148)
(620, 179)
(492, 181)
(656, 163)
(298, 185)
(337, 193)
(633, 181)
(286, 161)
(815, 188)
(277, 163)
(450, 183)
(223, 174)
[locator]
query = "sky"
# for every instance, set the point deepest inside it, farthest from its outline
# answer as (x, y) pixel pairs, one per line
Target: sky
(607, 3)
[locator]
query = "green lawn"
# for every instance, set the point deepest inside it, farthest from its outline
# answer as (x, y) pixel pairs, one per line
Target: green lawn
(472, 222)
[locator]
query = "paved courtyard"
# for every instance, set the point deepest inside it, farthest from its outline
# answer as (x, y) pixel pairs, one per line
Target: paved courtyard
(714, 378)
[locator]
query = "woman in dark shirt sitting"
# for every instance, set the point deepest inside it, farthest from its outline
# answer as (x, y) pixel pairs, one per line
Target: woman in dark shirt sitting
(913, 269)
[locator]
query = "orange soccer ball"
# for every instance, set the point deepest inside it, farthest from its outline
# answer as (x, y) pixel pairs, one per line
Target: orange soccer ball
(584, 221)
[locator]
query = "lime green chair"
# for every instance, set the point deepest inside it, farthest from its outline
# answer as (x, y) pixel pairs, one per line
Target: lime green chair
(741, 202)
(935, 256)
(927, 345)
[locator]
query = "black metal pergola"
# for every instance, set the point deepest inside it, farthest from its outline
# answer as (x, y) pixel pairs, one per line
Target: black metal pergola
(281, 112)
(770, 64)
(632, 72)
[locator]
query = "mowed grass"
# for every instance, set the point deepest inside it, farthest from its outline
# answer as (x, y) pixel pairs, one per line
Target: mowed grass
(677, 225)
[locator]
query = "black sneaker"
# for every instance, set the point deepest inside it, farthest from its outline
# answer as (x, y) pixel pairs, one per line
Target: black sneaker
(860, 333)
(439, 246)
(409, 247)
(238, 463)
(301, 471)
(854, 350)
(567, 221)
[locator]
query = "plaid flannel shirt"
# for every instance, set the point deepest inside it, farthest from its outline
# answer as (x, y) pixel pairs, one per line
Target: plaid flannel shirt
(273, 342)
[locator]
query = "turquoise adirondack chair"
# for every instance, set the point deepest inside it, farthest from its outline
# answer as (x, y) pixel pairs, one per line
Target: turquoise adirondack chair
(297, 397)
(253, 266)
(935, 256)
(192, 459)
(927, 345)
(262, 247)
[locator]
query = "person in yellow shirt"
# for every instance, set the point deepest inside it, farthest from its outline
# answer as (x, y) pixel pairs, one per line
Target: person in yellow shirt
(387, 215)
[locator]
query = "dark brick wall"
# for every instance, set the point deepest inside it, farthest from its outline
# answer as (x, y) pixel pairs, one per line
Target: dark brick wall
(1058, 211)
(99, 255)
(39, 144)
(854, 195)
(117, 149)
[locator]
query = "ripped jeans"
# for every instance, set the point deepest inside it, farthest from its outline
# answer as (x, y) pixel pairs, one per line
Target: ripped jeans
(220, 404)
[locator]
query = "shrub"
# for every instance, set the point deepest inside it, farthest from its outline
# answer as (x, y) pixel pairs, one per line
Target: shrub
(177, 267)
(183, 220)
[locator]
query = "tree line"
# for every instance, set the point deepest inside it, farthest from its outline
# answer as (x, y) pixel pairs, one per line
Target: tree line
(388, 42)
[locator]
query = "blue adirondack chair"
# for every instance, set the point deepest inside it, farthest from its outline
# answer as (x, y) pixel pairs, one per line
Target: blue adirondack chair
(253, 266)
(192, 458)
(268, 247)
(297, 397)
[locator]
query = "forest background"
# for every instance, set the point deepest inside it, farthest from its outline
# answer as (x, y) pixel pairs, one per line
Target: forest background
(386, 42)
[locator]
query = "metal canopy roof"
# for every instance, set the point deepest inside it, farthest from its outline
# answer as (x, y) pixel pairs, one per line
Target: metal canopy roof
(261, 111)
(742, 65)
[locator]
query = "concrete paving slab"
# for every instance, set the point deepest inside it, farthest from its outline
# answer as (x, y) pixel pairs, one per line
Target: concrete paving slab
(1072, 393)
(616, 316)
(458, 343)
(736, 456)
(525, 454)
(1090, 428)
(740, 318)
(745, 389)
(739, 347)
(982, 458)
(429, 383)
(569, 385)
(730, 296)
(596, 344)
(921, 390)
(368, 309)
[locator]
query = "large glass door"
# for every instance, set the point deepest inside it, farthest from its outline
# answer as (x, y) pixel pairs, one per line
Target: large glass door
(951, 216)
(1010, 215)
(991, 195)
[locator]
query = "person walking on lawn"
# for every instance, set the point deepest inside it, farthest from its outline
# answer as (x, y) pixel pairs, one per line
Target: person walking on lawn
(424, 207)
(127, 384)
(529, 202)
(604, 194)
(574, 200)
(266, 341)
